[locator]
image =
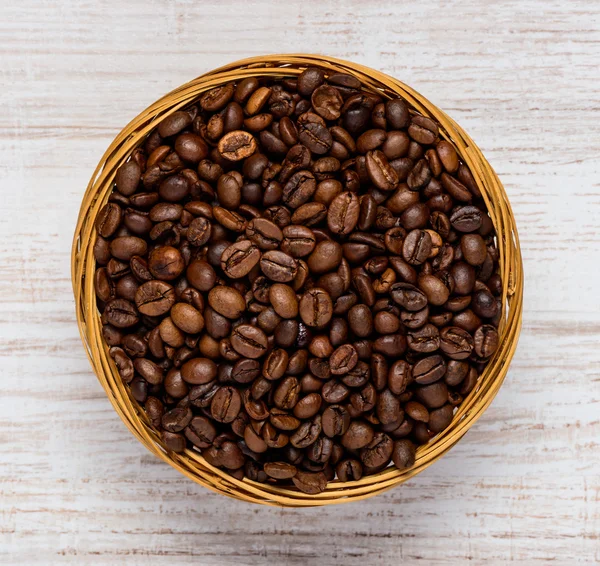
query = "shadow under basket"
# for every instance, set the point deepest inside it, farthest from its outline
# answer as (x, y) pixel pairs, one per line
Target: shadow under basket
(191, 463)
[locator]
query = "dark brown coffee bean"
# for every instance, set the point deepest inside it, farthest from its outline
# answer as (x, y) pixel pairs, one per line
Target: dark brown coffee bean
(264, 233)
(316, 308)
(326, 256)
(200, 432)
(278, 266)
(226, 404)
(128, 177)
(360, 319)
(120, 313)
(307, 433)
(408, 296)
(429, 370)
(176, 419)
(166, 263)
(249, 341)
(378, 452)
(201, 275)
(283, 299)
(308, 406)
(343, 213)
(349, 470)
(227, 301)
(173, 441)
(343, 359)
(335, 421)
(299, 189)
(298, 241)
(439, 419)
(396, 113)
(486, 341)
(424, 340)
(456, 343)
(380, 172)
(417, 247)
(400, 376)
(484, 304)
(239, 259)
(388, 408)
(423, 130)
(198, 371)
(432, 396)
(448, 156)
(237, 145)
(473, 249)
(108, 219)
(327, 102)
(358, 435)
(403, 454)
(310, 213)
(311, 483)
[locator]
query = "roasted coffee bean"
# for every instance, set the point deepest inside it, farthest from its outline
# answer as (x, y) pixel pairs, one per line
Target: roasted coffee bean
(439, 419)
(485, 341)
(108, 219)
(417, 247)
(335, 420)
(484, 304)
(403, 454)
(326, 256)
(456, 343)
(327, 102)
(388, 408)
(408, 296)
(432, 396)
(429, 370)
(227, 301)
(308, 406)
(349, 470)
(299, 189)
(200, 432)
(378, 452)
(176, 419)
(343, 213)
(239, 259)
(311, 483)
(264, 233)
(343, 359)
(358, 435)
(316, 308)
(120, 313)
(360, 319)
(298, 241)
(334, 392)
(380, 172)
(226, 404)
(424, 340)
(307, 433)
(166, 263)
(237, 145)
(198, 371)
(278, 266)
(201, 275)
(249, 341)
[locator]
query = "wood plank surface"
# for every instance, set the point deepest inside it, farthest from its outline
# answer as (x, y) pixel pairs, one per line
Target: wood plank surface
(520, 76)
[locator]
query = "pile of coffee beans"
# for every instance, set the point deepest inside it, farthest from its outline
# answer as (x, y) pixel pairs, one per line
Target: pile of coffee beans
(298, 279)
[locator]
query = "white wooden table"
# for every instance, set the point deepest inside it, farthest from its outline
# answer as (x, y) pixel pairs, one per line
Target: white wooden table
(523, 485)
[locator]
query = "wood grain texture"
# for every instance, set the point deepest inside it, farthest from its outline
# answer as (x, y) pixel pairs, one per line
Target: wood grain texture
(522, 486)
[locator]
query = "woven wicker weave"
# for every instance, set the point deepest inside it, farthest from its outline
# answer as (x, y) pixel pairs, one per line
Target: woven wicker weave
(190, 462)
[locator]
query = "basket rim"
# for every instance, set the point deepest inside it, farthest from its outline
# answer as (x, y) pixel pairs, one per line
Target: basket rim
(191, 463)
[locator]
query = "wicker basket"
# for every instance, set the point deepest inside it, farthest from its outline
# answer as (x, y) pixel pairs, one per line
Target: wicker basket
(190, 462)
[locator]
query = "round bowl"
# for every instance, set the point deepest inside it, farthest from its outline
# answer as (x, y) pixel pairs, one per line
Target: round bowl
(191, 463)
